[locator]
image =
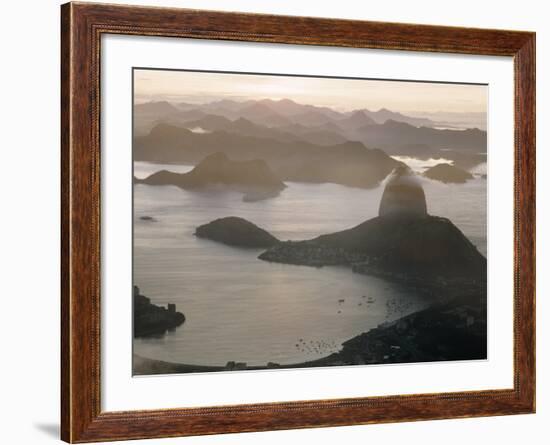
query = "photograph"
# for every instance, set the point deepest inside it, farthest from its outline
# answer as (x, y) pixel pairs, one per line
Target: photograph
(262, 223)
(296, 221)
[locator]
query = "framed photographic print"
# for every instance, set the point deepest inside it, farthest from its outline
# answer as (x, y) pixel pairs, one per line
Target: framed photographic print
(277, 222)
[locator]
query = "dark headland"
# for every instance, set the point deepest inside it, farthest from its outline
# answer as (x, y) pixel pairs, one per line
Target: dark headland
(153, 320)
(254, 177)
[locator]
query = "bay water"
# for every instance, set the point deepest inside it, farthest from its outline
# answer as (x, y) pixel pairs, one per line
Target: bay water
(239, 308)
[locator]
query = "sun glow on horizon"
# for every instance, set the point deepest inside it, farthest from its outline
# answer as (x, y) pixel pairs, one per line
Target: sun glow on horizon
(342, 94)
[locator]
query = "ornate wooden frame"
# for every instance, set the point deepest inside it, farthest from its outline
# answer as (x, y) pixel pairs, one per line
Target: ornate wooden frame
(82, 25)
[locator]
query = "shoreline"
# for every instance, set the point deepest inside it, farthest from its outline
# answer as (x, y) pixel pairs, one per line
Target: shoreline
(462, 323)
(404, 243)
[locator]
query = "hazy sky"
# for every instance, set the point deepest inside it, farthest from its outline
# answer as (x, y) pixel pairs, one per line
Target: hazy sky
(341, 94)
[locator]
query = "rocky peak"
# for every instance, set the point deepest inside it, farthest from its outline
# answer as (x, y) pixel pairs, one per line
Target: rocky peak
(403, 194)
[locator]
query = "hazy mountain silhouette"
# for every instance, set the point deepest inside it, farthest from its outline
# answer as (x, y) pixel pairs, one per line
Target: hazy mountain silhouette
(159, 109)
(285, 111)
(148, 114)
(260, 113)
(383, 115)
(392, 136)
(301, 126)
(349, 163)
(210, 122)
(241, 126)
(311, 118)
(253, 176)
(327, 134)
(356, 120)
(277, 111)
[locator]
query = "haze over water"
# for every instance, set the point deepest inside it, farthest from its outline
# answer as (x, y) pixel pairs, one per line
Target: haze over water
(240, 308)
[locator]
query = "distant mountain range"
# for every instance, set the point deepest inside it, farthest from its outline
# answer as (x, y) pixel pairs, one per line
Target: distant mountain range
(398, 137)
(271, 113)
(349, 163)
(297, 140)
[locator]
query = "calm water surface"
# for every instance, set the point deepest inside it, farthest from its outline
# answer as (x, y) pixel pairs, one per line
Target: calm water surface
(243, 309)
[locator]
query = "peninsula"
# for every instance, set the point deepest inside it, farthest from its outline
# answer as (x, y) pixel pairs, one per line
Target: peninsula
(403, 243)
(254, 178)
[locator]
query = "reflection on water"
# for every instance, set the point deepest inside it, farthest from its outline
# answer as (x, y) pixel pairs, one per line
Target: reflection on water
(240, 308)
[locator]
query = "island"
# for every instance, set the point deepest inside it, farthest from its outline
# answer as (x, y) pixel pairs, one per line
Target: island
(448, 174)
(235, 231)
(153, 320)
(254, 177)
